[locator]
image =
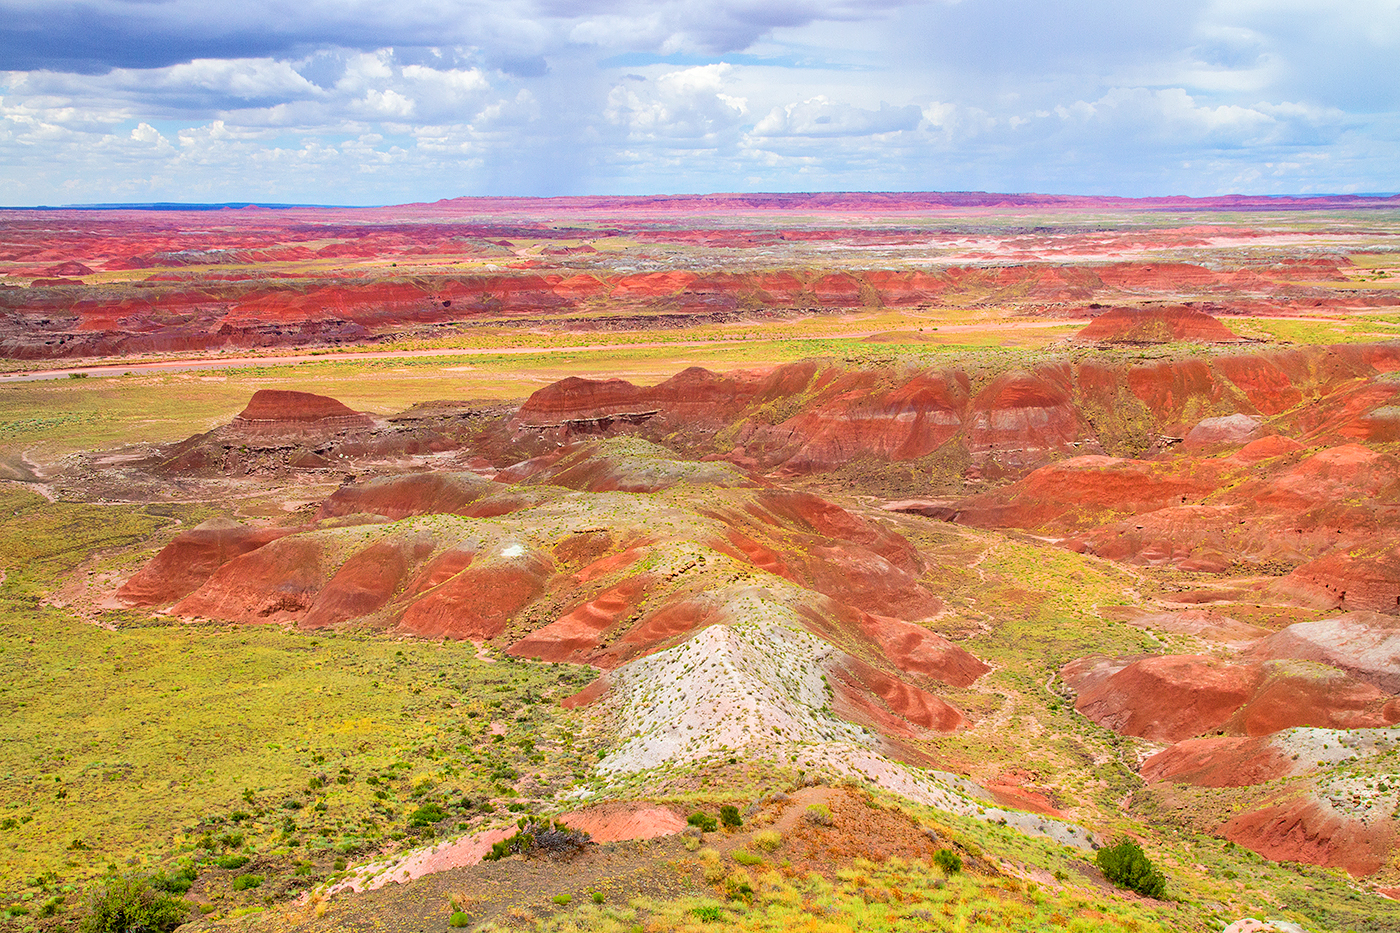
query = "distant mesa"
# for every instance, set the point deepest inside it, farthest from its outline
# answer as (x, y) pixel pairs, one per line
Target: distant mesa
(1156, 325)
(276, 411)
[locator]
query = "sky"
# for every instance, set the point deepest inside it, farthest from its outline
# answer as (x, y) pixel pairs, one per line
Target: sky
(391, 101)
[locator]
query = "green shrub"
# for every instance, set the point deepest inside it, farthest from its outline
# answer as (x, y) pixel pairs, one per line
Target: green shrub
(948, 860)
(729, 816)
(598, 897)
(426, 815)
(705, 822)
(175, 883)
(245, 882)
(1127, 866)
(131, 903)
(458, 919)
(746, 858)
(231, 861)
(707, 913)
(562, 900)
(819, 814)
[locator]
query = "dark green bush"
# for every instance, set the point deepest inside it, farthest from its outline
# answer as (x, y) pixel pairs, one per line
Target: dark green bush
(244, 882)
(948, 860)
(707, 913)
(176, 882)
(1127, 866)
(704, 821)
(132, 903)
(426, 815)
(231, 862)
(729, 816)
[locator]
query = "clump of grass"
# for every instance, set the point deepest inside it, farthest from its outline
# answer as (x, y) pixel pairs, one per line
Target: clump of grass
(458, 919)
(820, 815)
(746, 858)
(562, 900)
(767, 839)
(597, 897)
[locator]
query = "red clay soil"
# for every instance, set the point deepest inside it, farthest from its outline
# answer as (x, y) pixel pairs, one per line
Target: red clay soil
(621, 820)
(274, 583)
(866, 695)
(477, 602)
(275, 411)
(1368, 581)
(183, 565)
(909, 647)
(1015, 789)
(401, 496)
(1297, 695)
(1089, 490)
(1166, 698)
(1156, 325)
(1169, 698)
(577, 635)
(1219, 761)
(366, 582)
(1309, 830)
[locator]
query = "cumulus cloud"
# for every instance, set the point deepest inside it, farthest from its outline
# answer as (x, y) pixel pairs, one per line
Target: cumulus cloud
(355, 101)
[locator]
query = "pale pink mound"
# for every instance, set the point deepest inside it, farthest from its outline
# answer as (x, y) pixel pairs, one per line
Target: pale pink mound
(1203, 623)
(183, 565)
(620, 821)
(1365, 644)
(1156, 325)
(272, 411)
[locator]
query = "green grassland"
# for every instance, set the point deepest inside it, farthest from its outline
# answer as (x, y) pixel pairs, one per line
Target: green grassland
(141, 743)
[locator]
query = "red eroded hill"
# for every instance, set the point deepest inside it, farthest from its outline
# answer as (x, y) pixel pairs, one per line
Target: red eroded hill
(1156, 325)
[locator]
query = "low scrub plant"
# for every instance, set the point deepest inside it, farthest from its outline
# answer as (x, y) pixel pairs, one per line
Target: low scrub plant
(246, 882)
(1127, 866)
(132, 903)
(729, 816)
(820, 814)
(703, 821)
(949, 861)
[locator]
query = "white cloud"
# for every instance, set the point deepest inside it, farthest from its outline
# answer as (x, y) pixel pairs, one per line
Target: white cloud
(819, 117)
(291, 102)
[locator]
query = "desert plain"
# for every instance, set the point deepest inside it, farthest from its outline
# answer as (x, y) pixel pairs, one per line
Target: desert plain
(753, 562)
